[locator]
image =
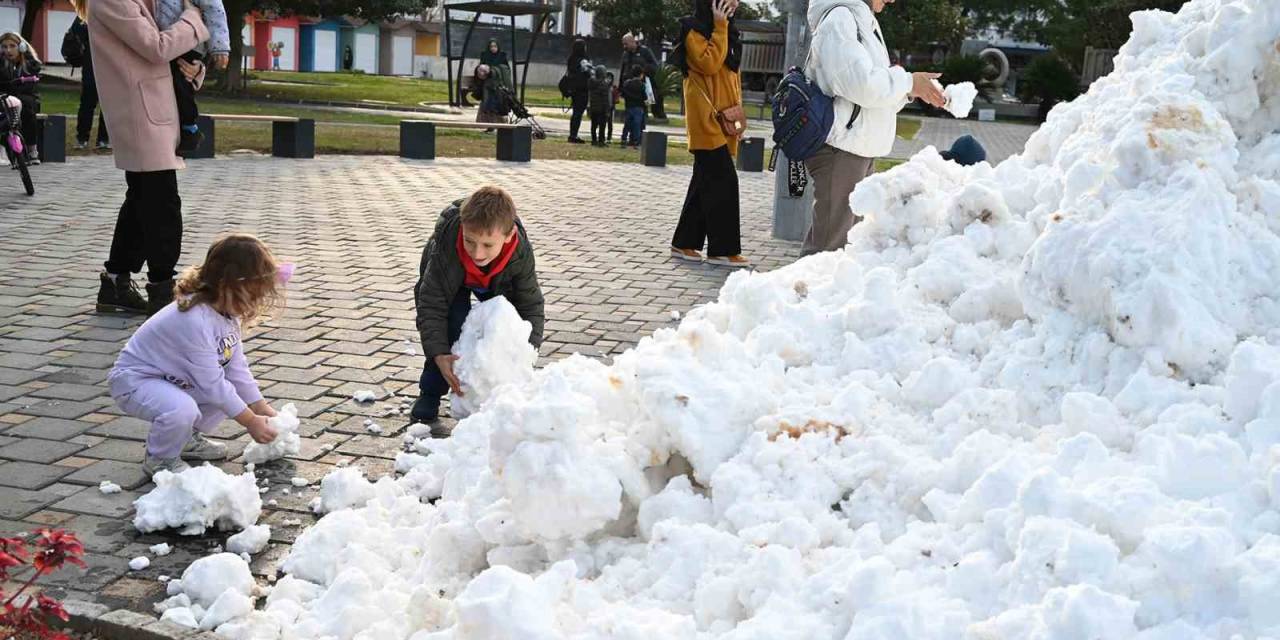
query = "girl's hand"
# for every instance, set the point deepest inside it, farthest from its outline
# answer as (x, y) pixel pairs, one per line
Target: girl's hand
(722, 9)
(221, 60)
(923, 87)
(262, 408)
(260, 431)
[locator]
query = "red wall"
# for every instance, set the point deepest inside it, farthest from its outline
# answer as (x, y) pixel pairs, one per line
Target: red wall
(262, 36)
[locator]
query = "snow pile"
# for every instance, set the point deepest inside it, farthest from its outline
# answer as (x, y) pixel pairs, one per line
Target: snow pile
(287, 442)
(1040, 400)
(344, 489)
(493, 350)
(252, 540)
(196, 499)
(212, 591)
(960, 99)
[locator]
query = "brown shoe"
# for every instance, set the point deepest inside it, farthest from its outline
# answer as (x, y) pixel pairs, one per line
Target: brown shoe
(735, 261)
(686, 254)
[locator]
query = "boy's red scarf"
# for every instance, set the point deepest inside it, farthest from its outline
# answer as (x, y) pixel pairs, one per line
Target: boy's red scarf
(475, 278)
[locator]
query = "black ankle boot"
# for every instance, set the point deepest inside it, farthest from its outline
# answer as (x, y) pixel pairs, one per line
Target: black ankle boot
(119, 295)
(159, 295)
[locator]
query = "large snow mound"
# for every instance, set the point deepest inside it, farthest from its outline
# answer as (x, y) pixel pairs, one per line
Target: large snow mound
(197, 499)
(1040, 400)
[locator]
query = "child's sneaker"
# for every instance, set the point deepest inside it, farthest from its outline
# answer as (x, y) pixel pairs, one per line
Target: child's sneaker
(81, 145)
(729, 261)
(189, 141)
(202, 448)
(153, 465)
(103, 145)
(686, 254)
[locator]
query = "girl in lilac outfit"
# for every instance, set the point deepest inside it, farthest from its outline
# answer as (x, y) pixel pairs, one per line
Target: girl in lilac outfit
(184, 370)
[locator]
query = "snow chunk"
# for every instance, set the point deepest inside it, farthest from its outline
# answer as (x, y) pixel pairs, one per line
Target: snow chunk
(252, 540)
(960, 99)
(108, 487)
(287, 442)
(494, 350)
(196, 499)
(344, 489)
(139, 563)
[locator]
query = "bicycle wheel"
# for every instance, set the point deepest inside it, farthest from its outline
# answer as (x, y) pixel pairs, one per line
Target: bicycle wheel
(26, 176)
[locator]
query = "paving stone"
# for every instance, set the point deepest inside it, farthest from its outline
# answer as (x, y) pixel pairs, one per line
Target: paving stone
(122, 450)
(128, 475)
(15, 377)
(124, 428)
(91, 501)
(16, 504)
(29, 475)
(49, 429)
(38, 451)
(375, 446)
(68, 409)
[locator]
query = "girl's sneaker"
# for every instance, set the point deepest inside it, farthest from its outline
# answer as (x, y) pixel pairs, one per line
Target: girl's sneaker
(729, 261)
(686, 254)
(153, 465)
(202, 448)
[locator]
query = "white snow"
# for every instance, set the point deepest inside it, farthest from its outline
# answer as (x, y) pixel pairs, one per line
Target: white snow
(364, 396)
(139, 563)
(196, 499)
(299, 481)
(252, 540)
(1038, 400)
(161, 550)
(493, 350)
(960, 98)
(212, 591)
(287, 442)
(108, 487)
(344, 489)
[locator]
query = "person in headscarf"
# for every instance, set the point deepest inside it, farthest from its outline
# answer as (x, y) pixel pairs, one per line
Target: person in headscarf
(578, 70)
(497, 61)
(709, 53)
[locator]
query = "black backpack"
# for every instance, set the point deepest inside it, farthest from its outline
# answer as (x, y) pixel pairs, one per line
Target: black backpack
(73, 47)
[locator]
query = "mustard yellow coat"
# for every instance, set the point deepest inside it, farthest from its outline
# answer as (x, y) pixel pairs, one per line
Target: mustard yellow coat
(709, 82)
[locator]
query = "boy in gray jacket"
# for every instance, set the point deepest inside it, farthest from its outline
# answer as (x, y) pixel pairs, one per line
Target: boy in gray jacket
(168, 12)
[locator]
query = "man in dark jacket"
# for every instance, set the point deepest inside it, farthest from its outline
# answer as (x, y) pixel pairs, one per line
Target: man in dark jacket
(634, 55)
(88, 93)
(479, 247)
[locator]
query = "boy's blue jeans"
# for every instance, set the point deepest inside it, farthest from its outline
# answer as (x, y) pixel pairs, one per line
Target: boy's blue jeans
(633, 125)
(432, 386)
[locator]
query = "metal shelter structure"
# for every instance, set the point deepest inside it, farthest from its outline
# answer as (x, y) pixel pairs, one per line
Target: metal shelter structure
(540, 12)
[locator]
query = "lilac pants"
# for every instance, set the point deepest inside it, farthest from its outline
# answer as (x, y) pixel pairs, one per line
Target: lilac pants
(172, 412)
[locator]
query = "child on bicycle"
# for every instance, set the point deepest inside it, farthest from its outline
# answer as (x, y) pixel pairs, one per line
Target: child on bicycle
(19, 76)
(184, 370)
(168, 12)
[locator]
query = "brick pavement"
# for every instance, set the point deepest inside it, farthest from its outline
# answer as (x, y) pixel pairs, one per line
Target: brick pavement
(1001, 139)
(356, 227)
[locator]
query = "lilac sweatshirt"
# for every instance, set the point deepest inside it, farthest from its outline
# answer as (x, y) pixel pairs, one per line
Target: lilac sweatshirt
(197, 350)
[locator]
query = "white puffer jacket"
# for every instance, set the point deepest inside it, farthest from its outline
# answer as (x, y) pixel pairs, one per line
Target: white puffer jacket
(856, 71)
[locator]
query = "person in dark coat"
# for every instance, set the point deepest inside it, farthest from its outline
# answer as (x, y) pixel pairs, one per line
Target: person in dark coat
(88, 93)
(479, 247)
(635, 55)
(600, 101)
(497, 61)
(634, 97)
(578, 71)
(19, 77)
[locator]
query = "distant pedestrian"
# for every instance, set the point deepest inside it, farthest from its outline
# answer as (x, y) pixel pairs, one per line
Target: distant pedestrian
(578, 70)
(487, 88)
(20, 78)
(634, 96)
(277, 48)
(88, 92)
(348, 58)
(635, 55)
(600, 100)
(709, 53)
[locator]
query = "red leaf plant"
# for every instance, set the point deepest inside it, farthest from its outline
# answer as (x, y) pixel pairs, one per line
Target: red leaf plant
(26, 615)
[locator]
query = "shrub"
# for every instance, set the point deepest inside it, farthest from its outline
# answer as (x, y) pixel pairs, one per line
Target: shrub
(26, 614)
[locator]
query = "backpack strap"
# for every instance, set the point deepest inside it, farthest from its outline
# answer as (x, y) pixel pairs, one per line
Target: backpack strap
(857, 108)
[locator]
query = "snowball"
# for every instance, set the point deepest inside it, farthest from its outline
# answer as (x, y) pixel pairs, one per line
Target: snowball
(108, 487)
(960, 98)
(139, 563)
(364, 396)
(196, 499)
(162, 549)
(494, 350)
(299, 481)
(287, 442)
(252, 540)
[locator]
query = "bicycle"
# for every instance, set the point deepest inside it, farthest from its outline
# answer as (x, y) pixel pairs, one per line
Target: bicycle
(11, 139)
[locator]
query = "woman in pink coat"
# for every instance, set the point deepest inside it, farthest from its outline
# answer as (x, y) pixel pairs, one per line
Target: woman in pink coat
(131, 61)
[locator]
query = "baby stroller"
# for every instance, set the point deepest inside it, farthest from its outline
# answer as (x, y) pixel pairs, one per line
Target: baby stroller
(519, 113)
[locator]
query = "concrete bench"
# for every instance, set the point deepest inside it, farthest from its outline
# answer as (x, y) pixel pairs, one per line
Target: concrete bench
(653, 152)
(418, 138)
(53, 137)
(751, 155)
(290, 137)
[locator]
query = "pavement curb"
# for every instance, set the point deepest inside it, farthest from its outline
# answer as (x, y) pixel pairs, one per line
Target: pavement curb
(122, 624)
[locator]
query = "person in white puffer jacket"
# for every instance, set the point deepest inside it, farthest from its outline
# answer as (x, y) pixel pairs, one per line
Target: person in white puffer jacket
(849, 60)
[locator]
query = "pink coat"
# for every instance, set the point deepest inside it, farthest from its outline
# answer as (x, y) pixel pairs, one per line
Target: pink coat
(131, 63)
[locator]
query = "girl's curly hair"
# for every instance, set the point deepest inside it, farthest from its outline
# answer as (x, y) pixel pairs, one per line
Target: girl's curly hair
(238, 279)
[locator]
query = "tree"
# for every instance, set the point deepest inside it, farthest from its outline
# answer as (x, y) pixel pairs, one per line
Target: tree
(919, 25)
(655, 19)
(371, 10)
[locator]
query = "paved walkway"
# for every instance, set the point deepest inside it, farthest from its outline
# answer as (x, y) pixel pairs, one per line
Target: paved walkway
(1001, 139)
(356, 227)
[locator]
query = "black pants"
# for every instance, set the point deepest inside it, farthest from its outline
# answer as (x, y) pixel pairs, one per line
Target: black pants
(149, 227)
(579, 106)
(183, 90)
(89, 104)
(432, 386)
(711, 207)
(659, 108)
(599, 120)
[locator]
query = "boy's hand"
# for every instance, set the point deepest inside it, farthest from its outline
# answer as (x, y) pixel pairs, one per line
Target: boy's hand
(221, 60)
(260, 431)
(445, 363)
